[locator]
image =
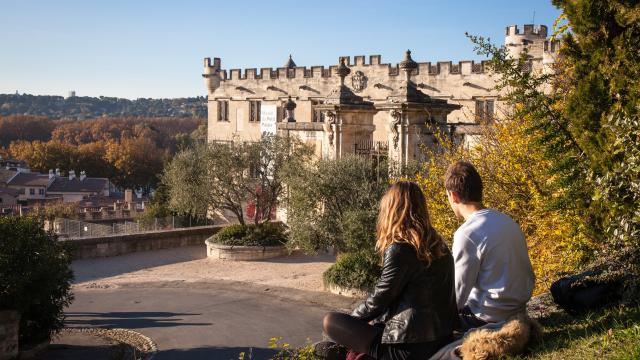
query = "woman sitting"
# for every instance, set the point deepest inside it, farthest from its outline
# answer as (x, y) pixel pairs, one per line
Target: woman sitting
(412, 310)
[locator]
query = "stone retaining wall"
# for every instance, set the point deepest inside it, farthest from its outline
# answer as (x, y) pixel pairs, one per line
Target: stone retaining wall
(228, 252)
(114, 245)
(9, 326)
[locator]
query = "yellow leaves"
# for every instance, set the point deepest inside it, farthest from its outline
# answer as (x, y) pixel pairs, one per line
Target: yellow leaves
(514, 173)
(560, 28)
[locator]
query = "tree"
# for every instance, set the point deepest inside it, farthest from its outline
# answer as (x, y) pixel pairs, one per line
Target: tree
(334, 203)
(514, 172)
(25, 128)
(602, 103)
(137, 162)
(36, 277)
(228, 176)
(584, 117)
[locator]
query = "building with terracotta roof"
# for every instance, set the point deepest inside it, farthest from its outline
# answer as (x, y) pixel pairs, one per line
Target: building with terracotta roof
(75, 189)
(33, 186)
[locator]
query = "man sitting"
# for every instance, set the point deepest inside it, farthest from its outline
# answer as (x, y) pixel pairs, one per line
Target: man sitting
(493, 274)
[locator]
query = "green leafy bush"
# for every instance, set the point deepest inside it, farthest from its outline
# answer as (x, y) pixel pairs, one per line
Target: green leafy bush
(36, 277)
(265, 234)
(359, 270)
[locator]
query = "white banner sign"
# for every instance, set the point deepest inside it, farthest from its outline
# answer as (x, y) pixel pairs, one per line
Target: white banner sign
(268, 119)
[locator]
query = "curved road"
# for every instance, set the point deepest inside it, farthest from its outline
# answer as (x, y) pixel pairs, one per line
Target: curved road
(206, 320)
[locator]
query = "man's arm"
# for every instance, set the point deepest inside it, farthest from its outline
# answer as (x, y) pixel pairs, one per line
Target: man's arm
(467, 267)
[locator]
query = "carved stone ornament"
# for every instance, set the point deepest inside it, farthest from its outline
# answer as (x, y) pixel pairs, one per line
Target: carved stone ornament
(359, 81)
(396, 119)
(330, 117)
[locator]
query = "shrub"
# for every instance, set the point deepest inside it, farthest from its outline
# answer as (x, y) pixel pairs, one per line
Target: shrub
(359, 270)
(264, 234)
(513, 170)
(36, 277)
(328, 198)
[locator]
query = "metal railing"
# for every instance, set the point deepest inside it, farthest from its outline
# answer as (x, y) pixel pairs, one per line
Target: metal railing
(73, 229)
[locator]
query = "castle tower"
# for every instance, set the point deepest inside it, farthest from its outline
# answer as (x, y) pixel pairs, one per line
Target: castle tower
(532, 38)
(211, 74)
(549, 54)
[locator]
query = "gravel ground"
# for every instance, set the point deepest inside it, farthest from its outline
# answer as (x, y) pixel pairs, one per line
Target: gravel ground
(190, 264)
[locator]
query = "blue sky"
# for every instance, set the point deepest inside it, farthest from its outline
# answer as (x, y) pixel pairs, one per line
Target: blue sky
(142, 48)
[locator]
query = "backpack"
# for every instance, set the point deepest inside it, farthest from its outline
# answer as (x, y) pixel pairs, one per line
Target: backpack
(579, 293)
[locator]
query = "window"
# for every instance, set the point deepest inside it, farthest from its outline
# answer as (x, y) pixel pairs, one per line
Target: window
(316, 115)
(223, 110)
(279, 114)
(254, 111)
(40, 191)
(484, 110)
(32, 191)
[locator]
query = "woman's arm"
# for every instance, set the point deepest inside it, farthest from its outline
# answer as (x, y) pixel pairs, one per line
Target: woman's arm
(392, 280)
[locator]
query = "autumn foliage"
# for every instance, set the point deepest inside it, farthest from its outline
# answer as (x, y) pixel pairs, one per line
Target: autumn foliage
(516, 182)
(129, 151)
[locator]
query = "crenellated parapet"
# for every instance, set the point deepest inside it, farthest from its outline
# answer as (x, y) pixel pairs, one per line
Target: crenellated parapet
(213, 70)
(528, 29)
(531, 38)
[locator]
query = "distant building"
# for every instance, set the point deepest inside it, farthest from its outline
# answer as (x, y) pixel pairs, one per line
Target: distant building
(13, 164)
(32, 186)
(75, 189)
(362, 105)
(71, 94)
(39, 188)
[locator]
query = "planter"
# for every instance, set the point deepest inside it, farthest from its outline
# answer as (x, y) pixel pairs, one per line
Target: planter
(9, 326)
(243, 253)
(348, 292)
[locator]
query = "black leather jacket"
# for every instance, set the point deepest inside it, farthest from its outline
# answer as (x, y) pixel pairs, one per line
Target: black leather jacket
(416, 302)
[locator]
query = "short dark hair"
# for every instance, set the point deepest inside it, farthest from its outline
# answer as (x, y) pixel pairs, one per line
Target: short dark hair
(463, 179)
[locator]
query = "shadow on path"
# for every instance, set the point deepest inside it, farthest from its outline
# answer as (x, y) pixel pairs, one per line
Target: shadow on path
(93, 269)
(129, 320)
(217, 353)
(298, 257)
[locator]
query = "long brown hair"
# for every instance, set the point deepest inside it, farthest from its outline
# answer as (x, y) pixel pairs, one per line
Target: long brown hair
(404, 217)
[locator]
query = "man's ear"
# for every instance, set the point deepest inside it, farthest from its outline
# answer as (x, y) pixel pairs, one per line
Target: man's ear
(455, 197)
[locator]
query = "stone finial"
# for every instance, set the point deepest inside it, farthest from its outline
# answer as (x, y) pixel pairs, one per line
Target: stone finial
(289, 108)
(290, 64)
(408, 62)
(290, 104)
(342, 71)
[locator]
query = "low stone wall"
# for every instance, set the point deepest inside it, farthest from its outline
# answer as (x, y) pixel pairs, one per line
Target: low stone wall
(114, 245)
(243, 253)
(9, 326)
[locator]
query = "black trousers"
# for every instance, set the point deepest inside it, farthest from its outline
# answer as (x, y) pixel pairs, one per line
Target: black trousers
(365, 338)
(467, 320)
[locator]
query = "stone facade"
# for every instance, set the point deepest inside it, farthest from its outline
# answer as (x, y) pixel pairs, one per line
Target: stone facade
(363, 104)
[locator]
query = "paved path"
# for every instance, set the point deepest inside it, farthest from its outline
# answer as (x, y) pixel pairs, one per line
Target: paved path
(214, 319)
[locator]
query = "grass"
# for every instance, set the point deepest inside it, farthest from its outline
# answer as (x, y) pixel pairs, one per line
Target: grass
(612, 333)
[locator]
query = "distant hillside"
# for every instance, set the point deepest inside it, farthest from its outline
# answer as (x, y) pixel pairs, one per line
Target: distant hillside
(58, 107)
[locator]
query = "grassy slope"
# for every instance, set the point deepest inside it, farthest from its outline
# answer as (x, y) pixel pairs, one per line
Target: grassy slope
(607, 334)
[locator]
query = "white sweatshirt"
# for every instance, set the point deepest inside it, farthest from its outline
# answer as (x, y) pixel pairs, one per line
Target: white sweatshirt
(492, 267)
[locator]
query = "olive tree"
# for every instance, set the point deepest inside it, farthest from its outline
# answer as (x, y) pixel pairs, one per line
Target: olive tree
(229, 175)
(334, 203)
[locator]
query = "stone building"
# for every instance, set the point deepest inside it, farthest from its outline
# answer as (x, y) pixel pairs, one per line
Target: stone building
(363, 105)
